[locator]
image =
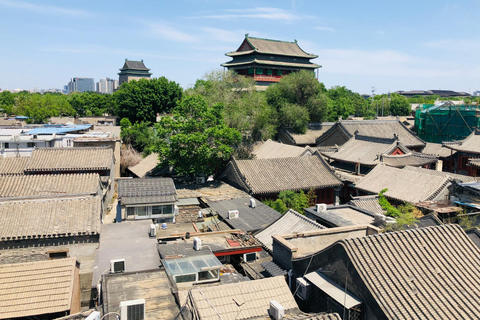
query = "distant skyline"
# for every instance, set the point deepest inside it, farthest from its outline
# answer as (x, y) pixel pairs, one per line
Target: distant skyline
(393, 46)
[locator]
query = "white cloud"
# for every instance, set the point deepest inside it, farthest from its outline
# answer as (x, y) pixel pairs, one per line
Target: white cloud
(42, 8)
(170, 33)
(266, 13)
(325, 29)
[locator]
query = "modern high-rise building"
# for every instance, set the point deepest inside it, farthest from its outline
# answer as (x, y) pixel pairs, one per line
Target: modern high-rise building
(81, 85)
(107, 85)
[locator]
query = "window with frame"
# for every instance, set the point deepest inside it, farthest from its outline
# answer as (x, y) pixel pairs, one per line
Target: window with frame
(30, 144)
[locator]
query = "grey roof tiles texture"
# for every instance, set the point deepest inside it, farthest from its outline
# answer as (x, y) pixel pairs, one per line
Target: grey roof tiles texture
(369, 203)
(314, 131)
(408, 159)
(436, 149)
(36, 186)
(263, 176)
(426, 273)
(154, 190)
(13, 165)
(364, 150)
(250, 219)
(470, 144)
(289, 222)
(36, 288)
(70, 159)
(271, 149)
(409, 184)
(49, 218)
(244, 300)
(375, 128)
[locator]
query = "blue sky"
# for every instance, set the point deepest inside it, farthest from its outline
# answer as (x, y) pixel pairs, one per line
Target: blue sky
(392, 45)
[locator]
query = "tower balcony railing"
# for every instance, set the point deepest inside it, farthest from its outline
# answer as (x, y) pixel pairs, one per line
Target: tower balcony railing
(267, 78)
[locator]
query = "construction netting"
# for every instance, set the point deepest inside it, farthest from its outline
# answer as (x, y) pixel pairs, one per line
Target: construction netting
(445, 121)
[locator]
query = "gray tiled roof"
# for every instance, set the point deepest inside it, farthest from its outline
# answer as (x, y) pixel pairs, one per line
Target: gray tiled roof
(273, 269)
(314, 131)
(33, 289)
(409, 159)
(271, 149)
(290, 222)
(369, 203)
(373, 128)
(273, 47)
(437, 149)
(250, 219)
(470, 144)
(13, 165)
(365, 150)
(315, 316)
(134, 65)
(244, 300)
(48, 185)
(154, 190)
(263, 176)
(426, 273)
(409, 184)
(145, 166)
(49, 218)
(474, 162)
(70, 159)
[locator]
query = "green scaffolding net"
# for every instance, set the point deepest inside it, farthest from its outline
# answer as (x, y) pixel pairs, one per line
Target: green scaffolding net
(446, 122)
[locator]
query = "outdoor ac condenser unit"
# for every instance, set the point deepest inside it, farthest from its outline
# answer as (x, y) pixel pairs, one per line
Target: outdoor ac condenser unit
(117, 265)
(233, 214)
(132, 310)
(302, 288)
(277, 311)
(197, 243)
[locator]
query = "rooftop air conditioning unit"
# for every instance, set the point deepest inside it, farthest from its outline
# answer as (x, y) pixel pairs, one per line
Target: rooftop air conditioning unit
(132, 310)
(233, 214)
(200, 180)
(321, 207)
(249, 257)
(277, 311)
(302, 288)
(117, 265)
(197, 243)
(153, 231)
(252, 203)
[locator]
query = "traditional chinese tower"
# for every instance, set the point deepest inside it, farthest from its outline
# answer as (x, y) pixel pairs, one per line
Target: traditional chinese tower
(133, 70)
(268, 60)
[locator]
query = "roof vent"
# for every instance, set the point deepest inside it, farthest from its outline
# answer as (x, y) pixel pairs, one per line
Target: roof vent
(252, 203)
(277, 311)
(321, 207)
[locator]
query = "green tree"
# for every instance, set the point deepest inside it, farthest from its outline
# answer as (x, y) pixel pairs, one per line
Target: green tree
(141, 136)
(92, 103)
(195, 139)
(289, 200)
(399, 105)
(405, 215)
(245, 108)
(142, 100)
(345, 103)
(7, 101)
(39, 108)
(305, 93)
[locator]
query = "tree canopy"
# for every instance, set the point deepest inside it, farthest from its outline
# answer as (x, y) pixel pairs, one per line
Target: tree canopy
(195, 139)
(299, 99)
(142, 100)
